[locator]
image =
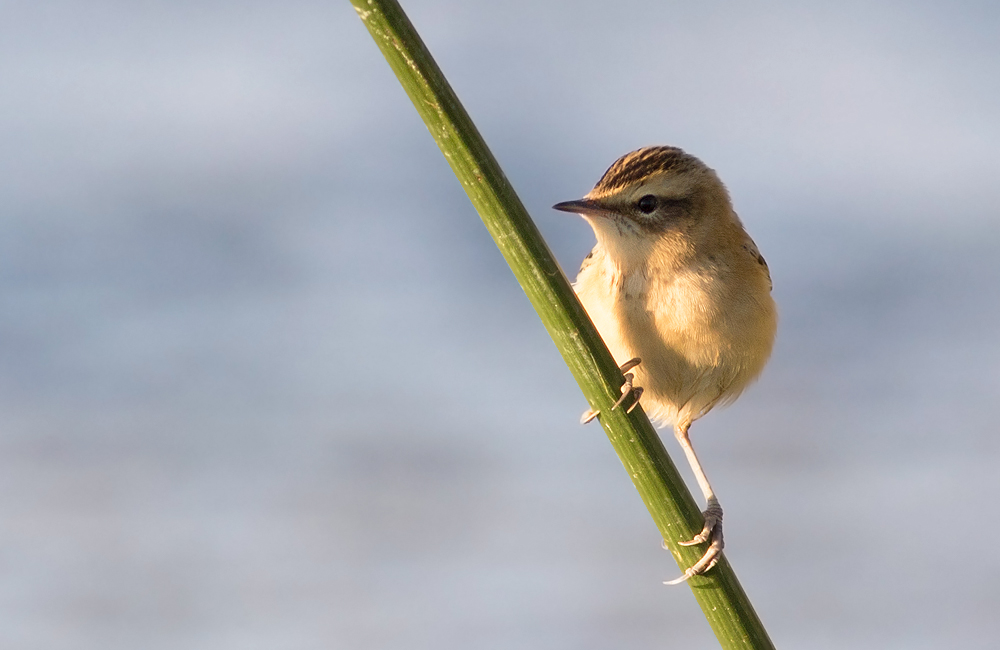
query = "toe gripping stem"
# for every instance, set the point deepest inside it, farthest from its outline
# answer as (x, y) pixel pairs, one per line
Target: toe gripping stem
(627, 389)
(711, 532)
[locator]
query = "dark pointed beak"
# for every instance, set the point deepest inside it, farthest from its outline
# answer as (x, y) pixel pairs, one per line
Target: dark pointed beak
(580, 206)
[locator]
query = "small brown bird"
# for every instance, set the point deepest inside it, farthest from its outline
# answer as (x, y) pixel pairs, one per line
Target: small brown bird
(676, 282)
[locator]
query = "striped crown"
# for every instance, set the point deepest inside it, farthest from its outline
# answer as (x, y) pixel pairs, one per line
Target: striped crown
(642, 163)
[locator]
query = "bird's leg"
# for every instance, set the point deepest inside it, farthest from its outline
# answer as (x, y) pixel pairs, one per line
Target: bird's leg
(712, 530)
(627, 389)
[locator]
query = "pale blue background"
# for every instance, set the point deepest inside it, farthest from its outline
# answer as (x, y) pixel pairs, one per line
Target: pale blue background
(265, 381)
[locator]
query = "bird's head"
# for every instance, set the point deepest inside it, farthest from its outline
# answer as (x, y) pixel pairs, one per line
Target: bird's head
(653, 197)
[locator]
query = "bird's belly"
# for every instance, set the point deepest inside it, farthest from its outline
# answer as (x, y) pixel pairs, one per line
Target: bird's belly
(693, 353)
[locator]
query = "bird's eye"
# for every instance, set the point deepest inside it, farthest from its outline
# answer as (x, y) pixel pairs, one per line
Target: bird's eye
(646, 204)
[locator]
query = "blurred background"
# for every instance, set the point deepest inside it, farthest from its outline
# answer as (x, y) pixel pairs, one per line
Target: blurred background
(266, 382)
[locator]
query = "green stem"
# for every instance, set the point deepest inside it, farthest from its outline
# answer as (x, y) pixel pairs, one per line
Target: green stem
(675, 512)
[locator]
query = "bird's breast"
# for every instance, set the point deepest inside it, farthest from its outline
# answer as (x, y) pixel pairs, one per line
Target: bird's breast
(701, 334)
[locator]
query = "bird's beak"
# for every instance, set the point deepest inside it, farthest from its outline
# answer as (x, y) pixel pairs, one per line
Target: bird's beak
(581, 206)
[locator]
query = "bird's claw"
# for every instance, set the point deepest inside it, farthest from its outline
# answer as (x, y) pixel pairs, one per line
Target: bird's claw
(627, 389)
(711, 532)
(713, 520)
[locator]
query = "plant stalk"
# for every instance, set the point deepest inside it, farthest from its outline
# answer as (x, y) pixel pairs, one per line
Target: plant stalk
(677, 516)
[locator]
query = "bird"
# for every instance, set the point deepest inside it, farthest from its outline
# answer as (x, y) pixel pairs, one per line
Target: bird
(681, 296)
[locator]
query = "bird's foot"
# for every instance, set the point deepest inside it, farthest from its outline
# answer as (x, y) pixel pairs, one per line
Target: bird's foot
(627, 389)
(711, 532)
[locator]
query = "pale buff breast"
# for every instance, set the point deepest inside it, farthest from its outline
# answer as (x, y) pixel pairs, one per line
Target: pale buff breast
(702, 339)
